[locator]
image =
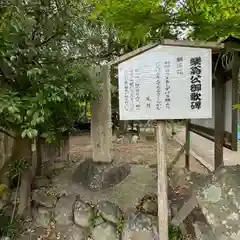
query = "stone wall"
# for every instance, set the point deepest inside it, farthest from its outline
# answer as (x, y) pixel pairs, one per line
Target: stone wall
(72, 218)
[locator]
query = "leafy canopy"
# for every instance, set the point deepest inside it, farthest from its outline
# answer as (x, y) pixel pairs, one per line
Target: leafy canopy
(141, 21)
(43, 76)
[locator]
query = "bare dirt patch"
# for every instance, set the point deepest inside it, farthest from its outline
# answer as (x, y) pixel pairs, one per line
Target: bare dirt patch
(144, 153)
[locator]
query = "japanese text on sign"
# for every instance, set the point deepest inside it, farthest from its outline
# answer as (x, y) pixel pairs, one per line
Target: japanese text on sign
(180, 65)
(158, 86)
(196, 86)
(166, 82)
(137, 90)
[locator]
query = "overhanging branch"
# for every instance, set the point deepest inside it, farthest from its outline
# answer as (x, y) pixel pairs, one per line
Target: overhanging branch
(2, 130)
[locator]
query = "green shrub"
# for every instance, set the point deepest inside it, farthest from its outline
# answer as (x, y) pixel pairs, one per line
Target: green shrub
(8, 228)
(174, 233)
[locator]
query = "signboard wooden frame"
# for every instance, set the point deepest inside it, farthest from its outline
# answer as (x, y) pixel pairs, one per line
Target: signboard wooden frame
(230, 138)
(218, 134)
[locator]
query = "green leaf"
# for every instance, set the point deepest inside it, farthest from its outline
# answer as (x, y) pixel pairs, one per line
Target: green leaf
(24, 133)
(236, 106)
(30, 133)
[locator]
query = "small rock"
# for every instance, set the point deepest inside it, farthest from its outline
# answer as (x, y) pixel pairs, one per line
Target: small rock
(97, 176)
(139, 222)
(105, 231)
(41, 182)
(72, 232)
(51, 168)
(109, 211)
(57, 165)
(64, 210)
(42, 199)
(98, 221)
(150, 205)
(42, 216)
(82, 213)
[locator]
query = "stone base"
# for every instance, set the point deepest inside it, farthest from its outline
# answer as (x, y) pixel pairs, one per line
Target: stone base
(98, 176)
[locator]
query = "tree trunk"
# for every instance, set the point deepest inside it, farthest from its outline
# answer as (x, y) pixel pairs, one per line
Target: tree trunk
(24, 208)
(5, 159)
(39, 156)
(2, 150)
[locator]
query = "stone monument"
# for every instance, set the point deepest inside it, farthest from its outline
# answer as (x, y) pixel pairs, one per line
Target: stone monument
(101, 171)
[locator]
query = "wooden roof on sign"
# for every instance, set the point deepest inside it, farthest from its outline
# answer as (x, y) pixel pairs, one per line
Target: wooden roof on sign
(231, 39)
(215, 46)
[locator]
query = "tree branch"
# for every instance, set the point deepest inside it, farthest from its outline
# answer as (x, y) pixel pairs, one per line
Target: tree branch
(2, 130)
(48, 39)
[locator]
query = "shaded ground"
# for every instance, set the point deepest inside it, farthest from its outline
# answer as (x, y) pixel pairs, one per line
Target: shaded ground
(141, 181)
(141, 153)
(142, 158)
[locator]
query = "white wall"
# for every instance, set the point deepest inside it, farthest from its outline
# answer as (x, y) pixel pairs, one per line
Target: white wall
(209, 123)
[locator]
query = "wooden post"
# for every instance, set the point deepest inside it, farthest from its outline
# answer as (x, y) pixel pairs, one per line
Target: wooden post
(235, 73)
(219, 114)
(177, 157)
(187, 136)
(185, 211)
(162, 181)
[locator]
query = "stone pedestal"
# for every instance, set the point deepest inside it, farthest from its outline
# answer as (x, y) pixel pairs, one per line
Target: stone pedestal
(101, 125)
(98, 175)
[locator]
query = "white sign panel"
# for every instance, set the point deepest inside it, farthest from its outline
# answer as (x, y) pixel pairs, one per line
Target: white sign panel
(166, 82)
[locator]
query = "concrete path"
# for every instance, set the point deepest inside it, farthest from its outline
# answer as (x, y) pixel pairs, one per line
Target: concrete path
(203, 149)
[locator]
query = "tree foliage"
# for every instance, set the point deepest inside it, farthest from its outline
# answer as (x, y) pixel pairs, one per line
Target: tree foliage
(47, 45)
(136, 21)
(211, 20)
(139, 22)
(43, 76)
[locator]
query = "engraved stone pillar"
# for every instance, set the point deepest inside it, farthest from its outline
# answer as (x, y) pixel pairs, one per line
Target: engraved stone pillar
(101, 124)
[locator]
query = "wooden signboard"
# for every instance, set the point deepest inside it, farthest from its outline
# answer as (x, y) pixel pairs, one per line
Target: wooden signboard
(165, 82)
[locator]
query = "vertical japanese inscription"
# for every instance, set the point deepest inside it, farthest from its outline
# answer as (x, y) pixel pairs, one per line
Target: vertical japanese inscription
(148, 102)
(167, 84)
(131, 90)
(179, 65)
(196, 84)
(137, 90)
(126, 91)
(158, 86)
